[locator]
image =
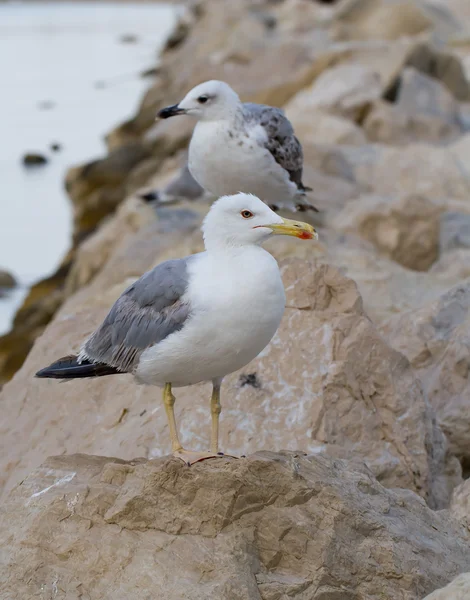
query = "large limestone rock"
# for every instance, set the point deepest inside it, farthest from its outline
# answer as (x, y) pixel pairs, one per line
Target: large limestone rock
(436, 340)
(266, 527)
(460, 504)
(7, 281)
(327, 378)
(415, 169)
(458, 589)
(320, 127)
(405, 229)
(345, 90)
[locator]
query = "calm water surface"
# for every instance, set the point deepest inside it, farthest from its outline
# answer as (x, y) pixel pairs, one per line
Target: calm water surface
(67, 77)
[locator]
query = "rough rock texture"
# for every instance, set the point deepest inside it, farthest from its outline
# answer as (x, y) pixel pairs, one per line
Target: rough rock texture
(7, 281)
(436, 340)
(266, 527)
(326, 378)
(405, 229)
(460, 504)
(459, 589)
(392, 72)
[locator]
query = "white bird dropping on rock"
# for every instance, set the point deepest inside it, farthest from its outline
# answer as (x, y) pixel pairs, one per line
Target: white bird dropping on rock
(198, 318)
(242, 147)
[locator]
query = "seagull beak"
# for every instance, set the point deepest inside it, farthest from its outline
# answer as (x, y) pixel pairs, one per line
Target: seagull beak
(304, 231)
(171, 111)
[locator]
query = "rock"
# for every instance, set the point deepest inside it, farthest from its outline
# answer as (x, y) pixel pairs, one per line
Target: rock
(406, 229)
(32, 159)
(436, 340)
(388, 171)
(420, 93)
(460, 504)
(424, 111)
(7, 281)
(387, 124)
(274, 526)
(442, 65)
(344, 90)
(319, 127)
(454, 231)
(128, 38)
(327, 378)
(382, 20)
(98, 187)
(458, 589)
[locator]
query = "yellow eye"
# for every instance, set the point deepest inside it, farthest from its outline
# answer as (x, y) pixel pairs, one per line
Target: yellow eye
(246, 214)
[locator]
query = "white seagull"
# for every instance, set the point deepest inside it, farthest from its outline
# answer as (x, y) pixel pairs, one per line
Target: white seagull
(242, 147)
(197, 318)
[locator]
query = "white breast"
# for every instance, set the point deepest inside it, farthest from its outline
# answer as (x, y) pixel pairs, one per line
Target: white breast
(226, 161)
(237, 306)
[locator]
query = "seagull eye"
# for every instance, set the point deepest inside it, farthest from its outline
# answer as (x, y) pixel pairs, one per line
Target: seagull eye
(246, 214)
(203, 99)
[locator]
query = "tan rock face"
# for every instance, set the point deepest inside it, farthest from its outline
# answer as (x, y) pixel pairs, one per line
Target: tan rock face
(405, 229)
(459, 589)
(268, 526)
(326, 378)
(436, 340)
(345, 90)
(460, 504)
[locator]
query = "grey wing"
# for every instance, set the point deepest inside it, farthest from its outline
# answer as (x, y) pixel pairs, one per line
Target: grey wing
(281, 141)
(149, 310)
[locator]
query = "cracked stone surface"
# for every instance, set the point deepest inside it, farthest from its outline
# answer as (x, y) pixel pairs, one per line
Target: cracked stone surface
(328, 378)
(266, 527)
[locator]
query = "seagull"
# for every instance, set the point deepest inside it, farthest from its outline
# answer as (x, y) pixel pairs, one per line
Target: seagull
(197, 318)
(242, 147)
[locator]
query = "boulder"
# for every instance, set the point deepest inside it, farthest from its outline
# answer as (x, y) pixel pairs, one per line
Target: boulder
(405, 229)
(460, 504)
(345, 90)
(436, 340)
(98, 187)
(382, 20)
(327, 378)
(269, 526)
(419, 93)
(7, 281)
(454, 231)
(419, 169)
(318, 127)
(386, 123)
(34, 159)
(458, 589)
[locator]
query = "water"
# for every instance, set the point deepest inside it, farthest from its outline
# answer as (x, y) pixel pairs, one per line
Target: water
(66, 77)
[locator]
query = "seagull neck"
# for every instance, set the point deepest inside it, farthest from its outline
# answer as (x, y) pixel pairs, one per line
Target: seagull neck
(225, 247)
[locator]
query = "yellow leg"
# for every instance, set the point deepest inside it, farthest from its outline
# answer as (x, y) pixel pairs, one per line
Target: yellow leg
(169, 401)
(215, 412)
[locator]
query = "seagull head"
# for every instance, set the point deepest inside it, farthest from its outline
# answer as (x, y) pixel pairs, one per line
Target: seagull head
(208, 101)
(243, 219)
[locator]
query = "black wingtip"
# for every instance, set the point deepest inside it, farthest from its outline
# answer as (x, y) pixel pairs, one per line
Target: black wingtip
(68, 367)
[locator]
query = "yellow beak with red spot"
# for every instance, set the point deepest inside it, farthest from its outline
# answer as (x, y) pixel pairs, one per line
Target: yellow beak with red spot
(298, 229)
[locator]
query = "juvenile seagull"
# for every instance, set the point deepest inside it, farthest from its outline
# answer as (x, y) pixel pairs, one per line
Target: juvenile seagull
(238, 147)
(197, 318)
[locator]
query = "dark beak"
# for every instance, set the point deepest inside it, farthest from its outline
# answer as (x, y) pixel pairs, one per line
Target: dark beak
(171, 111)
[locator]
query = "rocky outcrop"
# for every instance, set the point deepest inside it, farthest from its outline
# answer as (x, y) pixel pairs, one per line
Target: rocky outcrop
(412, 93)
(436, 340)
(327, 378)
(7, 281)
(458, 589)
(267, 526)
(404, 229)
(460, 504)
